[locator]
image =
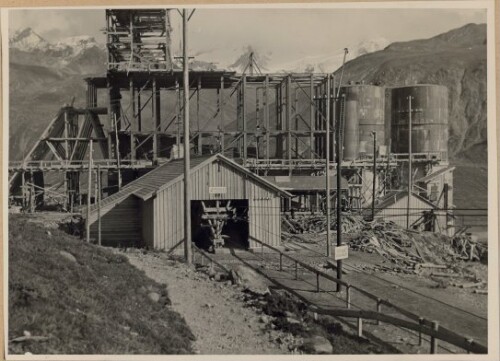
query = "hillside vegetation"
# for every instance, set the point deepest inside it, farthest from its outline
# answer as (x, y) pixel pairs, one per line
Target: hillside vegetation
(70, 297)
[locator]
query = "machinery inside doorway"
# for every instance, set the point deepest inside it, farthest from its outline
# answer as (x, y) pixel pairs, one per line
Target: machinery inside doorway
(220, 223)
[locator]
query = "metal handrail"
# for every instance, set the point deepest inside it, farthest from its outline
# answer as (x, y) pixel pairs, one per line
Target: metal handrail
(424, 326)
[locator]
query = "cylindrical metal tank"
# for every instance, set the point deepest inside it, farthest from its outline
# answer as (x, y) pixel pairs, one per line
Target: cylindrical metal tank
(351, 131)
(429, 111)
(370, 113)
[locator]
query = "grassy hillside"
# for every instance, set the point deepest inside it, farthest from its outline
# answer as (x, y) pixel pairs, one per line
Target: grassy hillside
(94, 303)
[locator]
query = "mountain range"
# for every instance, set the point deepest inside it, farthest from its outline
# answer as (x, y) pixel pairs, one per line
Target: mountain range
(44, 76)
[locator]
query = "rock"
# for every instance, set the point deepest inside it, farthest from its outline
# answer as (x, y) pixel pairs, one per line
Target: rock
(317, 345)
(135, 334)
(219, 276)
(249, 279)
(208, 305)
(211, 272)
(27, 333)
(49, 233)
(154, 296)
(292, 321)
(264, 319)
(68, 256)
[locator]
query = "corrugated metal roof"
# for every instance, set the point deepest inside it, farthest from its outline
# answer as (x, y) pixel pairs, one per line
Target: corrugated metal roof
(164, 175)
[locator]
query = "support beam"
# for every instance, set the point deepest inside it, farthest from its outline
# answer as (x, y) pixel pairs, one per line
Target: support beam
(243, 117)
(200, 138)
(187, 183)
(327, 170)
(221, 114)
(311, 117)
(266, 114)
(288, 119)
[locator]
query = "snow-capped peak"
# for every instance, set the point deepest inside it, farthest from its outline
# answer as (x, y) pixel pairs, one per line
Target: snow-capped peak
(27, 40)
(81, 41)
(370, 46)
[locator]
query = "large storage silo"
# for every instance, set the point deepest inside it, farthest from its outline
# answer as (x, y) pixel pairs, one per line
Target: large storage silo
(429, 111)
(370, 114)
(351, 131)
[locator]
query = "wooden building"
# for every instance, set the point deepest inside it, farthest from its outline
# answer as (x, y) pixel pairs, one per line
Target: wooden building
(394, 207)
(148, 212)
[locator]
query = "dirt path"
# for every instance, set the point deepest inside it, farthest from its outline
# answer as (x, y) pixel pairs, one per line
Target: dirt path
(215, 311)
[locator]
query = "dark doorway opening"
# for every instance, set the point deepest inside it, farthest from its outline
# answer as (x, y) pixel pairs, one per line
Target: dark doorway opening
(231, 215)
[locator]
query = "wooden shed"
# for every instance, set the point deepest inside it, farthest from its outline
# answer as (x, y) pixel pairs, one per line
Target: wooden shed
(148, 212)
(393, 207)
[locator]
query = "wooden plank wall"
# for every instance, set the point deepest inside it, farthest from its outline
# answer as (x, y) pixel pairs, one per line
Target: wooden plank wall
(264, 211)
(121, 226)
(148, 224)
(397, 212)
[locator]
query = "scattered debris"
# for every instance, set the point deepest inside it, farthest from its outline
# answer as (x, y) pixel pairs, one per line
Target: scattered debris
(316, 223)
(467, 247)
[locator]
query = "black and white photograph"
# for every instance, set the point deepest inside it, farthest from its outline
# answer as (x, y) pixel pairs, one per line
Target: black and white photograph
(265, 180)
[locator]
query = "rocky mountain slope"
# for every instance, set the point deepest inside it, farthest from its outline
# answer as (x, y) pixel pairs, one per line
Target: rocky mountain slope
(44, 76)
(456, 59)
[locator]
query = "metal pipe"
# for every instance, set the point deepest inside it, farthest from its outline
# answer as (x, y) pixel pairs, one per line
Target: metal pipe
(327, 170)
(338, 151)
(187, 166)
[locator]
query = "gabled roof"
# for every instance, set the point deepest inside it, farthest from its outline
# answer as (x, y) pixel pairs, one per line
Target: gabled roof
(172, 171)
(392, 197)
(433, 175)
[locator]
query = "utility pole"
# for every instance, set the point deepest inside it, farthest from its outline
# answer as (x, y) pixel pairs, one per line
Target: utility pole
(187, 166)
(409, 164)
(338, 151)
(374, 134)
(89, 191)
(98, 201)
(327, 170)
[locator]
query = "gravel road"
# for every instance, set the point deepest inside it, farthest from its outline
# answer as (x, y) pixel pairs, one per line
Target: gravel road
(215, 311)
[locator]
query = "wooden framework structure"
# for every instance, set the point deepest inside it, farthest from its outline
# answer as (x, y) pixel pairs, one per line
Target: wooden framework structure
(272, 124)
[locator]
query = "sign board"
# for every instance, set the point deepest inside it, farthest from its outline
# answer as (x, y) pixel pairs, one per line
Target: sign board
(340, 252)
(217, 190)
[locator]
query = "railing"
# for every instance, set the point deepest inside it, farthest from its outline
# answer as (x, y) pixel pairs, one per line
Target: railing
(423, 326)
(312, 162)
(76, 164)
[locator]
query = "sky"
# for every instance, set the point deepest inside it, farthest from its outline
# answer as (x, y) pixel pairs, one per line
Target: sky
(282, 34)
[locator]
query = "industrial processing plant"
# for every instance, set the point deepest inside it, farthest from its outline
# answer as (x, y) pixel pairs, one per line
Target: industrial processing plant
(331, 205)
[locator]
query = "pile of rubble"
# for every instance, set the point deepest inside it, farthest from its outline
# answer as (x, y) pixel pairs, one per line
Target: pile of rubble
(311, 223)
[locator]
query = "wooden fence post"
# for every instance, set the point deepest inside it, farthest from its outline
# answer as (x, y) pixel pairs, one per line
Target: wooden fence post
(434, 340)
(420, 322)
(379, 308)
(348, 296)
(360, 327)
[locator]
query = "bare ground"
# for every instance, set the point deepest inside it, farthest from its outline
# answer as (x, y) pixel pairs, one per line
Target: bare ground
(214, 311)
